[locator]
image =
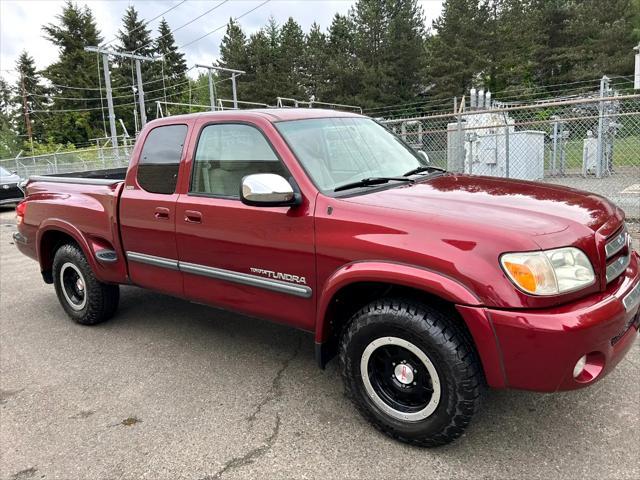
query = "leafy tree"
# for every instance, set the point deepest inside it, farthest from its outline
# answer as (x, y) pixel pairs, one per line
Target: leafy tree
(77, 117)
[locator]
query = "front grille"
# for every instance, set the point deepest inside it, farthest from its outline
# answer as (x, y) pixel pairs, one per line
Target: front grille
(619, 265)
(618, 254)
(616, 244)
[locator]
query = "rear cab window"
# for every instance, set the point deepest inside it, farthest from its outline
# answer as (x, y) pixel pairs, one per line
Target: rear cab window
(159, 161)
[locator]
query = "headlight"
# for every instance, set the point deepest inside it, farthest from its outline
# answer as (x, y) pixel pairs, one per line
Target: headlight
(549, 272)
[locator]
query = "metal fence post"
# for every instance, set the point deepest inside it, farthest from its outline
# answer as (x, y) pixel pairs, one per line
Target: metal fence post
(506, 150)
(461, 160)
(604, 83)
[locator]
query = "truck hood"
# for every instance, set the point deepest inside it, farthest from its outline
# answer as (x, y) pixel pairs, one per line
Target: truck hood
(529, 208)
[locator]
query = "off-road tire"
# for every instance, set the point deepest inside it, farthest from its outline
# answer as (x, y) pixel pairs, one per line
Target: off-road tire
(447, 345)
(101, 298)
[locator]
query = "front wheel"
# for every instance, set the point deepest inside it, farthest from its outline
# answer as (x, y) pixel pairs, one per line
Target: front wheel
(411, 371)
(85, 299)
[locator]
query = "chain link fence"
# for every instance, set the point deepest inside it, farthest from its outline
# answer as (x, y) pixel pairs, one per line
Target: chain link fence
(592, 144)
(97, 158)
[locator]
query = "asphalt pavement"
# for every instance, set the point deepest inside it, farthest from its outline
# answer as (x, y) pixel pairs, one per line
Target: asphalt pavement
(168, 389)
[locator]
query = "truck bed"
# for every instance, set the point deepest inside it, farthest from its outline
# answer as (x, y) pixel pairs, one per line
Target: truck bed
(91, 177)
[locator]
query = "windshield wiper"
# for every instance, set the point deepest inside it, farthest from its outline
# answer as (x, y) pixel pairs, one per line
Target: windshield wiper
(367, 182)
(423, 168)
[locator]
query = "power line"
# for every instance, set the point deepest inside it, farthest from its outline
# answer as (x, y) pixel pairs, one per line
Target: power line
(181, 26)
(147, 22)
(223, 26)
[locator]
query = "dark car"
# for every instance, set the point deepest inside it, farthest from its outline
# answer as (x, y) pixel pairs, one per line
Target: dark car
(9, 187)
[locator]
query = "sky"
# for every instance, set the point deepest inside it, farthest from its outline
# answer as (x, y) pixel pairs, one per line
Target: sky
(21, 22)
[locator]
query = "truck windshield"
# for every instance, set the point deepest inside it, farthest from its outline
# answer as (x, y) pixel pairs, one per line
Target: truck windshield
(340, 151)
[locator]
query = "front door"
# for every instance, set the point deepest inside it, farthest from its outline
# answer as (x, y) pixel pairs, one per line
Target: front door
(148, 211)
(257, 260)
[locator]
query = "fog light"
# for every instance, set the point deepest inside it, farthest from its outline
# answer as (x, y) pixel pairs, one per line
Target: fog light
(579, 368)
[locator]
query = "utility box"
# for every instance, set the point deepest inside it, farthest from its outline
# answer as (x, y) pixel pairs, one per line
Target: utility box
(497, 150)
(589, 155)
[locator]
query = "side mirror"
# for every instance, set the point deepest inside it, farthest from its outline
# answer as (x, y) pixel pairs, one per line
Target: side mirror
(267, 190)
(422, 154)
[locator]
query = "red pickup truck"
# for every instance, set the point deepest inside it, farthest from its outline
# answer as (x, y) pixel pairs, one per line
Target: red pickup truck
(428, 285)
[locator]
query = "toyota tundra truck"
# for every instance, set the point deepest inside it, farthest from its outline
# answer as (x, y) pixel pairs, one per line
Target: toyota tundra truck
(427, 285)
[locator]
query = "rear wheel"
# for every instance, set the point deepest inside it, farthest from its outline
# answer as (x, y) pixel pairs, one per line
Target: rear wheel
(411, 371)
(85, 299)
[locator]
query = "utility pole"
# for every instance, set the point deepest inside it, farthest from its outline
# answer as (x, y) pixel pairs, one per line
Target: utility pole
(234, 74)
(107, 81)
(25, 106)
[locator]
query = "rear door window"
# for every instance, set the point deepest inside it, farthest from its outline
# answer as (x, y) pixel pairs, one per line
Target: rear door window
(160, 159)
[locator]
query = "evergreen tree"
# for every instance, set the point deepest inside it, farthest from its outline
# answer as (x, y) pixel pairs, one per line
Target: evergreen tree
(316, 63)
(342, 72)
(262, 51)
(457, 52)
(604, 38)
(9, 142)
(75, 30)
(29, 94)
(290, 60)
(135, 36)
(234, 54)
(174, 64)
(404, 51)
(371, 21)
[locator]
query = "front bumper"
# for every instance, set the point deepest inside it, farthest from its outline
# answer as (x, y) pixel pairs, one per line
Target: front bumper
(538, 349)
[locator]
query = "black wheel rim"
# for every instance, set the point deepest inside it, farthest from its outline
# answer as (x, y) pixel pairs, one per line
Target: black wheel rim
(400, 379)
(73, 286)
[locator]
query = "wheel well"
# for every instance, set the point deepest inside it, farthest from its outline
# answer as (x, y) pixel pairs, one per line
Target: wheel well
(347, 301)
(51, 241)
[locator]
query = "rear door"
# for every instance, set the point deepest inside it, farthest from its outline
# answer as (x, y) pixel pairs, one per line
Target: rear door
(148, 210)
(257, 260)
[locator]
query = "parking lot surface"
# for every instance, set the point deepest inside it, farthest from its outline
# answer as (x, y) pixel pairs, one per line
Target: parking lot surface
(169, 389)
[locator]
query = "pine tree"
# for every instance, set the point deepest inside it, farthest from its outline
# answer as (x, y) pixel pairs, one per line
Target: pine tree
(75, 30)
(135, 37)
(404, 51)
(175, 66)
(234, 54)
(316, 63)
(290, 60)
(344, 79)
(9, 142)
(457, 52)
(262, 51)
(29, 94)
(371, 20)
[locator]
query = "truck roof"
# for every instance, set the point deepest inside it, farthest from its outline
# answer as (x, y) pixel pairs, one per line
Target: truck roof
(270, 114)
